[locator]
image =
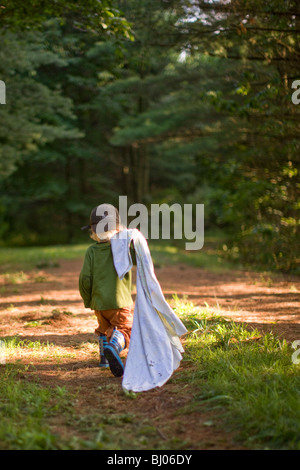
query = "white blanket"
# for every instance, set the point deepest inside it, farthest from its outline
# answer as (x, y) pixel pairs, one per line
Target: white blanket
(155, 348)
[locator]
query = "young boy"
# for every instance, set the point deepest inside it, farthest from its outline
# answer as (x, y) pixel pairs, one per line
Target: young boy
(103, 291)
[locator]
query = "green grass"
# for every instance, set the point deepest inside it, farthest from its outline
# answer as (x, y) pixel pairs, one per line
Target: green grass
(246, 376)
(19, 258)
(209, 257)
(24, 407)
(164, 252)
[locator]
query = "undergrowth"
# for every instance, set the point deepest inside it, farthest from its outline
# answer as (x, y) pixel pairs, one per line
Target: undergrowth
(248, 376)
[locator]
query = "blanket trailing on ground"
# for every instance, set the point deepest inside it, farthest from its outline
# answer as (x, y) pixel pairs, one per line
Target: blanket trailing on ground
(155, 349)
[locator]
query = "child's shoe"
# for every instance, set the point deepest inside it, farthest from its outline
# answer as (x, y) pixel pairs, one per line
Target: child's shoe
(102, 344)
(112, 353)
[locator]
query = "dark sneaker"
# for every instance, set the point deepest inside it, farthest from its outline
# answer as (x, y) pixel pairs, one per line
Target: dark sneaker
(115, 362)
(102, 344)
(112, 353)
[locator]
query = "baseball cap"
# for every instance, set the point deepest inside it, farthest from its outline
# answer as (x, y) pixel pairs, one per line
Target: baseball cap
(103, 210)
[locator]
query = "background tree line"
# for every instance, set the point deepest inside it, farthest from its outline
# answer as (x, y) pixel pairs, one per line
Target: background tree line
(162, 101)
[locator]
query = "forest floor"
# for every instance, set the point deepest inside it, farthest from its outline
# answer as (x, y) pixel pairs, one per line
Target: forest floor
(45, 306)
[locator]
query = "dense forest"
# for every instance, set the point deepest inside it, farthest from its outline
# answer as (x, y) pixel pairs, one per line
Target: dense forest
(162, 101)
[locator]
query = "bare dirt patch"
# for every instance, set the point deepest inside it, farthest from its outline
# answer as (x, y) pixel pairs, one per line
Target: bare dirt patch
(48, 308)
(261, 300)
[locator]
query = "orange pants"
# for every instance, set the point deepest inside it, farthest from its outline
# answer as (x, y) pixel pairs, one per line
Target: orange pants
(120, 318)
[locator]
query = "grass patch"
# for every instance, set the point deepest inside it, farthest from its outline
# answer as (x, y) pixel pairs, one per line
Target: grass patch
(248, 376)
(23, 409)
(16, 277)
(18, 258)
(164, 252)
(27, 410)
(18, 350)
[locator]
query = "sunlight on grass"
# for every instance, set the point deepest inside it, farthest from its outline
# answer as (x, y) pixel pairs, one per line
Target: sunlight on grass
(164, 252)
(249, 377)
(38, 257)
(24, 408)
(25, 351)
(245, 377)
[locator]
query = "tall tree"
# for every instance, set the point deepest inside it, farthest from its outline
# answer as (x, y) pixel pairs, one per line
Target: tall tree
(260, 192)
(99, 16)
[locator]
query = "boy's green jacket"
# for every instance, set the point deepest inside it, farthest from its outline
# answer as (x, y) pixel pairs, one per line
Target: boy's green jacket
(99, 284)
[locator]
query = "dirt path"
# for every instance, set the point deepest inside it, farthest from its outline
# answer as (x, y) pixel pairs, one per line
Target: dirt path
(46, 306)
(264, 301)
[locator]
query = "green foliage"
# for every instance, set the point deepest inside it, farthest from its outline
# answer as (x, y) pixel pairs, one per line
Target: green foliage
(34, 114)
(90, 15)
(23, 407)
(196, 108)
(247, 376)
(254, 163)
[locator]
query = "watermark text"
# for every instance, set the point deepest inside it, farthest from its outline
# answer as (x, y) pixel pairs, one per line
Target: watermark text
(2, 92)
(161, 221)
(296, 94)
